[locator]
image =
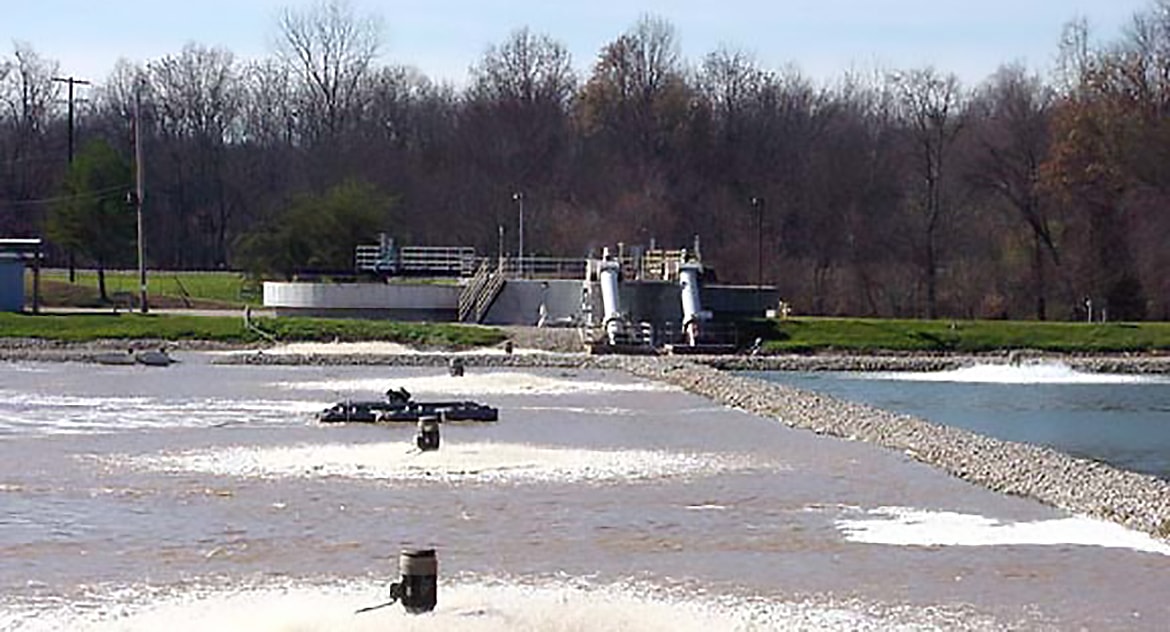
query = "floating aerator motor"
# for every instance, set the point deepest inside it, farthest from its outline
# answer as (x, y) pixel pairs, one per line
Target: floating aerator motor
(427, 438)
(419, 589)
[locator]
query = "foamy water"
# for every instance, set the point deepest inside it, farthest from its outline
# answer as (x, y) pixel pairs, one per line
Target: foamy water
(488, 606)
(585, 508)
(1041, 373)
(496, 463)
(486, 383)
(377, 348)
(905, 526)
(40, 413)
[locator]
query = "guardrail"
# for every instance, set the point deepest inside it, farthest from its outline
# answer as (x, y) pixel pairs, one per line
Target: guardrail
(543, 268)
(438, 260)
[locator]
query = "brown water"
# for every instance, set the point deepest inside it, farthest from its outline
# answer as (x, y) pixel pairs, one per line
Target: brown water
(202, 497)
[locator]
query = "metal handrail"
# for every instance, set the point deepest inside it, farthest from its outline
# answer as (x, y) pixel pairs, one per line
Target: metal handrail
(543, 268)
(469, 297)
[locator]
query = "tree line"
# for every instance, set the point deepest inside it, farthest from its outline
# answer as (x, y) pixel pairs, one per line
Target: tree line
(901, 193)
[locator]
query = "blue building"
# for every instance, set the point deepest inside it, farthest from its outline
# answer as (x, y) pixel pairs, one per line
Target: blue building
(14, 254)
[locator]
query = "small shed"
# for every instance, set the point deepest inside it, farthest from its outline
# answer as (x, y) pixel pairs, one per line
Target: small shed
(15, 254)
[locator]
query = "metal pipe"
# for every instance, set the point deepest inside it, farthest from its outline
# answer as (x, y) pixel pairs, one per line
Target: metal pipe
(519, 197)
(688, 277)
(608, 274)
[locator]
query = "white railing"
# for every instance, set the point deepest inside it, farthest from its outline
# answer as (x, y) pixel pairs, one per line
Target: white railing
(443, 260)
(543, 268)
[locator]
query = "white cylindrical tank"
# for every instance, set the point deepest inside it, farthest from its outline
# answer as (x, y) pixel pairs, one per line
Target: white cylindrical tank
(608, 273)
(688, 279)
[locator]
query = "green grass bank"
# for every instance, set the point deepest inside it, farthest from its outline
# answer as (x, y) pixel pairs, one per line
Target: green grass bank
(802, 335)
(209, 290)
(233, 290)
(230, 329)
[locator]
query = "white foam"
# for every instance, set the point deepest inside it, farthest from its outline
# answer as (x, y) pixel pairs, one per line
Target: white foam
(22, 367)
(487, 383)
(903, 526)
(557, 606)
(376, 348)
(454, 462)
(1041, 373)
(40, 414)
(613, 411)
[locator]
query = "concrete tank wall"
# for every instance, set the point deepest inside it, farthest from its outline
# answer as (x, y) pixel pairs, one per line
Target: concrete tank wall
(399, 301)
(729, 302)
(519, 302)
(11, 286)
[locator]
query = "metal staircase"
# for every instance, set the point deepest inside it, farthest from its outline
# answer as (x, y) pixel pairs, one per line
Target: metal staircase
(480, 292)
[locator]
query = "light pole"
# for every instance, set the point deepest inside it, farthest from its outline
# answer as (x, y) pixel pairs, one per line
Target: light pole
(758, 204)
(519, 198)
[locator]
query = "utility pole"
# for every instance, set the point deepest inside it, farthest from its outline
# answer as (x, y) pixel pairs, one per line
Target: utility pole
(138, 196)
(71, 81)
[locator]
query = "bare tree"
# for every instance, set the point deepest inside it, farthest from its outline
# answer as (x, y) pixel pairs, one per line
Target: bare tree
(930, 106)
(633, 111)
(197, 95)
(527, 68)
(28, 104)
(332, 49)
(516, 133)
(1014, 110)
(636, 80)
(269, 105)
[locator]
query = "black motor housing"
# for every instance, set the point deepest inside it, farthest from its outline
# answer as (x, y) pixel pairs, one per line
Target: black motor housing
(419, 589)
(427, 438)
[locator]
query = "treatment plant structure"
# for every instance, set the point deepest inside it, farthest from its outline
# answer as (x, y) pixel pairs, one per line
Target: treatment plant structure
(628, 298)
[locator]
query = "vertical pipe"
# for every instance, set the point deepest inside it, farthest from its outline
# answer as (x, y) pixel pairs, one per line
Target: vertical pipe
(519, 198)
(500, 249)
(688, 276)
(608, 272)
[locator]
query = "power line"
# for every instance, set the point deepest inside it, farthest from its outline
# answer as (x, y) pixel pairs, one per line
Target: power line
(64, 198)
(30, 159)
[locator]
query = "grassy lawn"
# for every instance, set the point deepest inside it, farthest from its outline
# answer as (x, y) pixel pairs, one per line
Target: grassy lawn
(207, 290)
(172, 289)
(231, 290)
(849, 334)
(129, 326)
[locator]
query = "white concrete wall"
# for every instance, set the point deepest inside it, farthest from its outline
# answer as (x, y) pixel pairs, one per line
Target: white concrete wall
(519, 302)
(361, 296)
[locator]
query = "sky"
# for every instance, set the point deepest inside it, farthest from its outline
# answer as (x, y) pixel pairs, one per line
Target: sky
(443, 38)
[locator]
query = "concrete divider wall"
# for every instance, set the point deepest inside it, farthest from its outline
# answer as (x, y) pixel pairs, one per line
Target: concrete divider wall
(656, 302)
(397, 301)
(519, 301)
